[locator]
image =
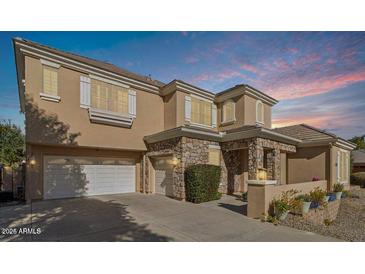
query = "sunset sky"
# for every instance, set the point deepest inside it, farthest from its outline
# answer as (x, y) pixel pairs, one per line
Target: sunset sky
(319, 77)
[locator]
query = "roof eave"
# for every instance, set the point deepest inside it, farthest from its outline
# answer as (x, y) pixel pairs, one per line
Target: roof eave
(19, 66)
(263, 133)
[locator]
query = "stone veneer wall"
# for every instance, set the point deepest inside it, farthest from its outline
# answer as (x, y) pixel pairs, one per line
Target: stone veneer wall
(188, 151)
(191, 151)
(256, 148)
(328, 212)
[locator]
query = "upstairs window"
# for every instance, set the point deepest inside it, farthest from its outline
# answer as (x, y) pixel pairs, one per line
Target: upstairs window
(259, 112)
(50, 81)
(108, 97)
(228, 112)
(201, 112)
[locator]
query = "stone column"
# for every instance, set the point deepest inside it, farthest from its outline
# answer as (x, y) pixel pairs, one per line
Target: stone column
(273, 165)
(255, 158)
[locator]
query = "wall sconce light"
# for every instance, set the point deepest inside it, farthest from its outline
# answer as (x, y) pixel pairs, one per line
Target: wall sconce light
(32, 161)
(174, 161)
(261, 174)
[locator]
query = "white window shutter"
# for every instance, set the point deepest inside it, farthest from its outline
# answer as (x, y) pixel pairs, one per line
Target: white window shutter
(214, 115)
(132, 107)
(84, 91)
(187, 108)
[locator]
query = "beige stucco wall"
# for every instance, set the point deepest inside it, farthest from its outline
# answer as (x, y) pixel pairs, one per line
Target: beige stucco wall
(34, 175)
(170, 113)
(174, 109)
(260, 197)
(66, 122)
(307, 163)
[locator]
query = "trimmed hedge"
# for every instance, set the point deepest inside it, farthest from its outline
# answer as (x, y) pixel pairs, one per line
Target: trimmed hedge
(358, 178)
(202, 182)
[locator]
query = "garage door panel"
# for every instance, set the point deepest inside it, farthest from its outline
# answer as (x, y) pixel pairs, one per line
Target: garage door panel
(75, 180)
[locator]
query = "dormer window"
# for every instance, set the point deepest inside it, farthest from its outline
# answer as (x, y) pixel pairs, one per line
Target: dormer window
(228, 111)
(259, 112)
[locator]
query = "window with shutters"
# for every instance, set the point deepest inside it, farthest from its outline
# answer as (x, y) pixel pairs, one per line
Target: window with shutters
(201, 112)
(108, 97)
(228, 112)
(343, 166)
(214, 156)
(259, 112)
(50, 81)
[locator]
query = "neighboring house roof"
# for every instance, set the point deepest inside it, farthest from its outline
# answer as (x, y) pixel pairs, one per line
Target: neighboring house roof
(358, 156)
(312, 136)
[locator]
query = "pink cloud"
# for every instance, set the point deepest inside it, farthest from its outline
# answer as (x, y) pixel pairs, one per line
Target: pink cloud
(249, 68)
(307, 59)
(191, 60)
(298, 87)
(201, 77)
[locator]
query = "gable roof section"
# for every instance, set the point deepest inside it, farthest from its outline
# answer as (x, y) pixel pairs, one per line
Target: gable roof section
(92, 62)
(185, 87)
(243, 89)
(313, 136)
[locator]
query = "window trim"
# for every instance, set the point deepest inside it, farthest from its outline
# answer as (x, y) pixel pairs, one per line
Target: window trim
(43, 95)
(259, 102)
(224, 121)
(101, 110)
(49, 97)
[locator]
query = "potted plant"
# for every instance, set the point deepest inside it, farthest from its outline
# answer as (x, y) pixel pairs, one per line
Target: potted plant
(331, 196)
(305, 201)
(337, 189)
(317, 196)
(286, 203)
(281, 209)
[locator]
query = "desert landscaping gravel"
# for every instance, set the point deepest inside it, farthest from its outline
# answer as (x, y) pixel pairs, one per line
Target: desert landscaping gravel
(348, 226)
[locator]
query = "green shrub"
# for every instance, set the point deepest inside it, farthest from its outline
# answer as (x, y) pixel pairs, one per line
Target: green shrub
(358, 178)
(202, 182)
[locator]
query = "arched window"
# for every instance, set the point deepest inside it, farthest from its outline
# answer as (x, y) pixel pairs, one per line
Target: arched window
(259, 112)
(228, 112)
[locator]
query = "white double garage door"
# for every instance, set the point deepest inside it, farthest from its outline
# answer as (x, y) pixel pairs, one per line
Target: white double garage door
(65, 176)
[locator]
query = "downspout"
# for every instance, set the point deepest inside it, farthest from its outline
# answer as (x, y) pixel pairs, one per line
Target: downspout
(143, 172)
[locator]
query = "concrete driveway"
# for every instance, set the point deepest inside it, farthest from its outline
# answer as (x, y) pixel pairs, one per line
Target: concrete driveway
(138, 217)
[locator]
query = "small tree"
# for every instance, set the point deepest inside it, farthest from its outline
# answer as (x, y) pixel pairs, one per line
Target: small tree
(359, 141)
(12, 145)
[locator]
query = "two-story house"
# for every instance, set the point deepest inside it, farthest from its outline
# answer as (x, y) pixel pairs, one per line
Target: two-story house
(93, 128)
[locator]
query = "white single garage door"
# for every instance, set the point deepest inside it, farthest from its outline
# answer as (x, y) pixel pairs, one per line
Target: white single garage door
(163, 176)
(85, 176)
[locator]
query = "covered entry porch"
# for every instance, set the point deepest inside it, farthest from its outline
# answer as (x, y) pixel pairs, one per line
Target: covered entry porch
(254, 158)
